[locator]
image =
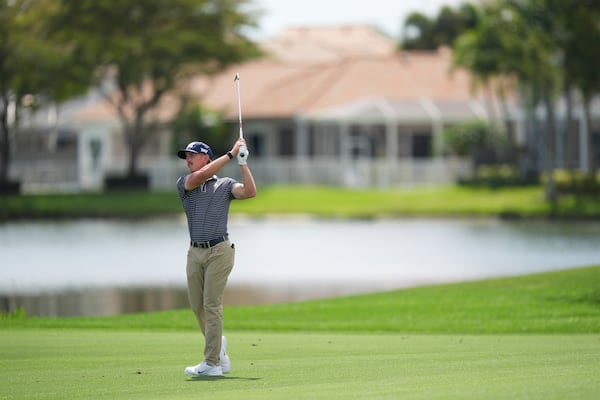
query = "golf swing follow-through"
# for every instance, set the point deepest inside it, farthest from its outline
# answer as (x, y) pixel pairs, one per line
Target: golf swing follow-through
(206, 199)
(243, 148)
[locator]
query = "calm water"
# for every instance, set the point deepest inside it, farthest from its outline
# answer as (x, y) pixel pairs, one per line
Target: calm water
(289, 259)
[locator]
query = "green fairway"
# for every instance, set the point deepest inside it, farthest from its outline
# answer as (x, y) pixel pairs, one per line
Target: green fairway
(527, 337)
(92, 364)
(566, 301)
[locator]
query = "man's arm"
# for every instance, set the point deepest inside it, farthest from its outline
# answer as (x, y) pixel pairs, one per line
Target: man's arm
(247, 189)
(197, 178)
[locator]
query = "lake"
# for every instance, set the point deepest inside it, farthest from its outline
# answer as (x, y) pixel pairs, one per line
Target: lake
(98, 267)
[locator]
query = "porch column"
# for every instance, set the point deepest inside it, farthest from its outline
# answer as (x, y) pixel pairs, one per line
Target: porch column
(302, 151)
(437, 124)
(347, 168)
(93, 157)
(391, 141)
(301, 138)
(392, 152)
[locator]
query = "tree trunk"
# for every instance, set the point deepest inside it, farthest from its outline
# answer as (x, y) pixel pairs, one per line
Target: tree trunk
(550, 149)
(508, 126)
(529, 164)
(570, 120)
(4, 140)
(590, 139)
(132, 142)
(136, 143)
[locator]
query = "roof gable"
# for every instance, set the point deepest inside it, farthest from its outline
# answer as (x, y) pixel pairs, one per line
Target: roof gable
(312, 69)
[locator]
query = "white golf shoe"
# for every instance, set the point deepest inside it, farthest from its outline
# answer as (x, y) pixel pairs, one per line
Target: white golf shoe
(204, 369)
(224, 358)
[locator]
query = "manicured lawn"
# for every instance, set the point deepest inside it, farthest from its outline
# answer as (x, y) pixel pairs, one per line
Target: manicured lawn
(528, 337)
(319, 201)
(435, 201)
(106, 364)
(554, 302)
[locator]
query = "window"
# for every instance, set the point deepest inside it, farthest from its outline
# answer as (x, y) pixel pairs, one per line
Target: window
(286, 139)
(421, 145)
(256, 142)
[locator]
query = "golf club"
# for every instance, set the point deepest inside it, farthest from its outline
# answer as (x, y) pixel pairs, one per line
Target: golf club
(239, 99)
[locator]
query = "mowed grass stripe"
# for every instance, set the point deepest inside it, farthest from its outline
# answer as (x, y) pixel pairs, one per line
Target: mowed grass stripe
(566, 301)
(414, 343)
(322, 201)
(108, 364)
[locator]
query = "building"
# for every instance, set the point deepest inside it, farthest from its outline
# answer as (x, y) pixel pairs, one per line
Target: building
(341, 106)
(331, 105)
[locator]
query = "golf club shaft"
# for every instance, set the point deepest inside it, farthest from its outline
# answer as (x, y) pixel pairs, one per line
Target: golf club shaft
(237, 79)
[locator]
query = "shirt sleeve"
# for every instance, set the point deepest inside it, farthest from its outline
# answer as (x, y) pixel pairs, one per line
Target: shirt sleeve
(181, 186)
(230, 183)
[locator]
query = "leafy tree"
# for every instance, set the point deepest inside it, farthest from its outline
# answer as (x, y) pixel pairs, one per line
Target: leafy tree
(571, 29)
(418, 33)
(193, 122)
(139, 52)
(423, 33)
(451, 23)
(579, 33)
(481, 141)
(545, 47)
(33, 69)
(485, 51)
(9, 38)
(513, 41)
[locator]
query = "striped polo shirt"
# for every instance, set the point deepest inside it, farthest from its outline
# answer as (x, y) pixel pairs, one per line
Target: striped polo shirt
(207, 207)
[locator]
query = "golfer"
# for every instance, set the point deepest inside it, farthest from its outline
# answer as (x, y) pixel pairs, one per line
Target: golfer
(206, 199)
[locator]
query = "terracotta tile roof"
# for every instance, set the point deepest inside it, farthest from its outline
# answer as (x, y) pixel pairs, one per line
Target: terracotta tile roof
(256, 78)
(275, 89)
(328, 43)
(312, 69)
(101, 110)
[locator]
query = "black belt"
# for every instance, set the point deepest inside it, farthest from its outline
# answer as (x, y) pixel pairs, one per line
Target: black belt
(210, 243)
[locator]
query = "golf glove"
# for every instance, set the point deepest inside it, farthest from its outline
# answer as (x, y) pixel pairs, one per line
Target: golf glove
(243, 155)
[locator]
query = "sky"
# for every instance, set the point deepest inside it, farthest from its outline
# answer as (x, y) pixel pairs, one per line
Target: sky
(388, 15)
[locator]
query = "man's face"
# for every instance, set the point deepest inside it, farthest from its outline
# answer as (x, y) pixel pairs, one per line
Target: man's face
(195, 161)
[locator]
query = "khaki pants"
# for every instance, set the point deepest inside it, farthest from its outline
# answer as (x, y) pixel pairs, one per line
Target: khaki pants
(207, 274)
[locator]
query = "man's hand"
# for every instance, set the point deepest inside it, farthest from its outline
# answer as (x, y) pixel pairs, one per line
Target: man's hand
(242, 155)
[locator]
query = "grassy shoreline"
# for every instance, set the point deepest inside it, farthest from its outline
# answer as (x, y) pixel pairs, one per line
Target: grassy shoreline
(329, 202)
(528, 337)
(564, 301)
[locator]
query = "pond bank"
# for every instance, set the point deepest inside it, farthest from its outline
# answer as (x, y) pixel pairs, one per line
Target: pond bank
(279, 260)
(324, 202)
